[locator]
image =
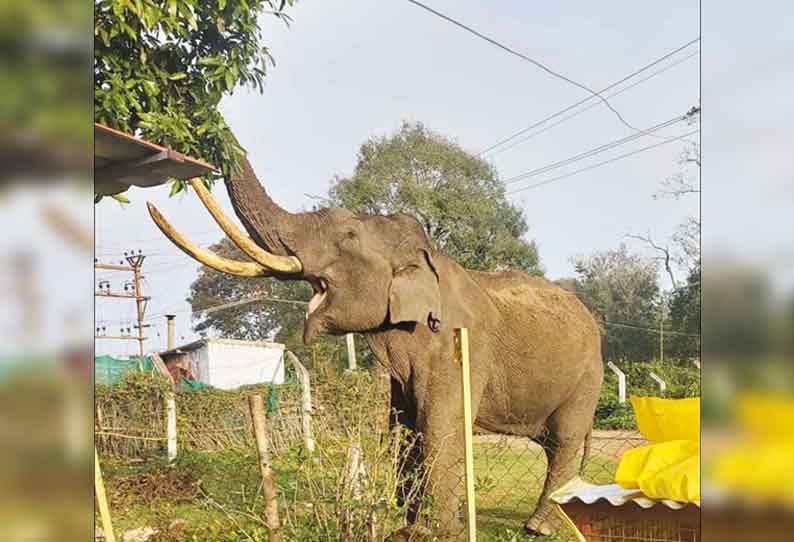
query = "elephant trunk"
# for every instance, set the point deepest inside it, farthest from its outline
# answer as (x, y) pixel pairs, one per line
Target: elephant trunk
(267, 224)
(264, 220)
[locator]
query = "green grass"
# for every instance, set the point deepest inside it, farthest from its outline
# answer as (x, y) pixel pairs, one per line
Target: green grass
(508, 484)
(202, 489)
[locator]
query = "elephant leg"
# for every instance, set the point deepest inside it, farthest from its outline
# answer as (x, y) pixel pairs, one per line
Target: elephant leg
(567, 429)
(562, 465)
(409, 468)
(443, 454)
(446, 484)
(411, 475)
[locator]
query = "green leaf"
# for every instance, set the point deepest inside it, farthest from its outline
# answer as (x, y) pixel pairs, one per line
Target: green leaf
(146, 52)
(176, 187)
(120, 198)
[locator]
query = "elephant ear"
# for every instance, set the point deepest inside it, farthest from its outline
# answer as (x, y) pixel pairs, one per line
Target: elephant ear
(414, 295)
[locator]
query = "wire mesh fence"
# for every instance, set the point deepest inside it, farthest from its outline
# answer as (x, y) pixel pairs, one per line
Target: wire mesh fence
(368, 494)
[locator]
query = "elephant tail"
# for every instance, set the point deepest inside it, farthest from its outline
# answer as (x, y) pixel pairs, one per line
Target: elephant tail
(588, 441)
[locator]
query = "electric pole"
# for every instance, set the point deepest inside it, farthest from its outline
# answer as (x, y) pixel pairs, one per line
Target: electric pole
(134, 263)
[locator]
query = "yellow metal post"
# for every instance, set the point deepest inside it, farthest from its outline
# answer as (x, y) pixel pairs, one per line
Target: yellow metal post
(102, 501)
(462, 356)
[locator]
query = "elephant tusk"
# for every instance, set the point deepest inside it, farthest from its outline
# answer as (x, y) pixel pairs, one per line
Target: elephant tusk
(224, 265)
(279, 264)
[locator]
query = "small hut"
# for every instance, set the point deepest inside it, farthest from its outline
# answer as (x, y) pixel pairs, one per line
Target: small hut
(227, 363)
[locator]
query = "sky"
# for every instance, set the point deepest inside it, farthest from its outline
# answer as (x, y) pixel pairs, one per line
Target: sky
(349, 71)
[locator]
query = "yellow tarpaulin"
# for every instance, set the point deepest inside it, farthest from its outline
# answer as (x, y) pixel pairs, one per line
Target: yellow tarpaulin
(760, 467)
(669, 468)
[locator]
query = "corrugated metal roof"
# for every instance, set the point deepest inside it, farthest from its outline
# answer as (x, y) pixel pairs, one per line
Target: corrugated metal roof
(122, 160)
(578, 489)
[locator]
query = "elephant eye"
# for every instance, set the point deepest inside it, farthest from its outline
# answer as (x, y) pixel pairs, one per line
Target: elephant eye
(349, 239)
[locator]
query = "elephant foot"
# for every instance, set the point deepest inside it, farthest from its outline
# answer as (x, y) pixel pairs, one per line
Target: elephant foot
(413, 533)
(543, 524)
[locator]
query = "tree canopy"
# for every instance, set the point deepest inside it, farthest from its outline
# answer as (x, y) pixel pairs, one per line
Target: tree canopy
(44, 113)
(161, 68)
(621, 290)
(456, 196)
(685, 317)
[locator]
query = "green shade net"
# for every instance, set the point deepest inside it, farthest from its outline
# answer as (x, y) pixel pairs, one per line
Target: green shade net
(272, 402)
(190, 385)
(109, 370)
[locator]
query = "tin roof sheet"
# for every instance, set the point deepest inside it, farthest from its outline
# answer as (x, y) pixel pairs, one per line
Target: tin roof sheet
(122, 160)
(578, 489)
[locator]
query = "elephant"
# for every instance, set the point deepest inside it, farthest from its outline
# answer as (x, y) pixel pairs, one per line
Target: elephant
(536, 365)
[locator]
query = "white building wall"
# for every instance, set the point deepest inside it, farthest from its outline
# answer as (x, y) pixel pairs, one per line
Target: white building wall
(233, 364)
(200, 364)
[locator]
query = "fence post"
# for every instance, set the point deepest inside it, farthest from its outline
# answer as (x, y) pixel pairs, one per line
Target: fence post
(170, 407)
(102, 501)
(621, 381)
(257, 406)
(661, 334)
(351, 352)
(350, 490)
(462, 357)
(306, 401)
(658, 380)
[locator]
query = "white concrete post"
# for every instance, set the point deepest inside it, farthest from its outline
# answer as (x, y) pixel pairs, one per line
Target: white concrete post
(306, 401)
(658, 380)
(621, 381)
(351, 352)
(170, 407)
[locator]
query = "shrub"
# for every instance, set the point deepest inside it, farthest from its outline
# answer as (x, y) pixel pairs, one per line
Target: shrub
(611, 414)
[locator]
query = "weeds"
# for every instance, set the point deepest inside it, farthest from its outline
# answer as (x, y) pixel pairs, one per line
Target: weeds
(348, 489)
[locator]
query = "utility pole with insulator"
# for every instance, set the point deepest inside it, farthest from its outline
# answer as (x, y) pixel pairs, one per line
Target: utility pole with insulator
(134, 263)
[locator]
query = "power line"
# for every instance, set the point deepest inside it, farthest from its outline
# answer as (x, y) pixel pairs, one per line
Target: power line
(215, 308)
(524, 57)
(651, 329)
(580, 111)
(605, 162)
(594, 151)
(580, 102)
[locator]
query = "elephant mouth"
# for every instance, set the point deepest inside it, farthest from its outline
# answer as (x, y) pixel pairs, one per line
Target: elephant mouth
(314, 324)
(320, 287)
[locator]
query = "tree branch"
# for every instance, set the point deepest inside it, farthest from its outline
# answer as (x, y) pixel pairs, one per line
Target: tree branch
(666, 257)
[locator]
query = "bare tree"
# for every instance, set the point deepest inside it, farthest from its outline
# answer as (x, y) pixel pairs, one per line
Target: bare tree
(666, 257)
(687, 237)
(683, 183)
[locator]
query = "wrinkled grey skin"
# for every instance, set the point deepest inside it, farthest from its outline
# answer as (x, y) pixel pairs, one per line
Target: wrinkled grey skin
(535, 349)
